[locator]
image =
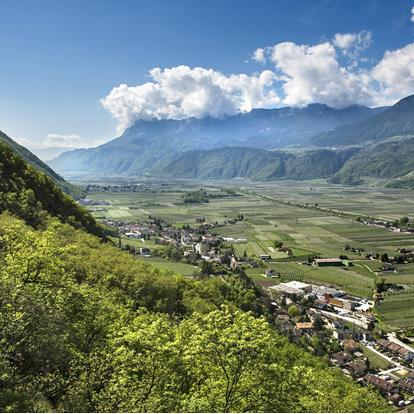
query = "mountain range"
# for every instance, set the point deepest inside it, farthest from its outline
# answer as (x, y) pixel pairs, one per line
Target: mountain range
(149, 145)
(342, 145)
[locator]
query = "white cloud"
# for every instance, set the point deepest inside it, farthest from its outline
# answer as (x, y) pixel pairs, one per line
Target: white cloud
(395, 74)
(302, 74)
(64, 141)
(412, 14)
(313, 74)
(352, 44)
(259, 55)
(183, 92)
(25, 142)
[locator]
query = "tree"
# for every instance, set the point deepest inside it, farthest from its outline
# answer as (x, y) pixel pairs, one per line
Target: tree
(278, 244)
(293, 311)
(384, 257)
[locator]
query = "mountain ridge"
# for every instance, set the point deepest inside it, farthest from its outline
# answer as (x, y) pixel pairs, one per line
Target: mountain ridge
(148, 145)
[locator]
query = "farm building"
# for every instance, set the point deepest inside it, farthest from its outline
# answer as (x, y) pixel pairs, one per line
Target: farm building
(328, 262)
(292, 288)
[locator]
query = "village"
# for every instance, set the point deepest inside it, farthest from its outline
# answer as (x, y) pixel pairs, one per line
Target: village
(329, 322)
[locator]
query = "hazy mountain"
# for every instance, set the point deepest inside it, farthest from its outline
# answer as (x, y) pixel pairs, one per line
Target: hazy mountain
(47, 154)
(149, 145)
(40, 165)
(256, 164)
(397, 120)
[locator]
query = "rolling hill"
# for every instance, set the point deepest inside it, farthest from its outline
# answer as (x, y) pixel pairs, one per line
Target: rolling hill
(397, 120)
(150, 145)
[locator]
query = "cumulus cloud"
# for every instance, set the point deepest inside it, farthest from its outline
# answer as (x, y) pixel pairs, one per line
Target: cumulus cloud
(412, 14)
(259, 55)
(313, 74)
(352, 44)
(183, 92)
(395, 74)
(301, 74)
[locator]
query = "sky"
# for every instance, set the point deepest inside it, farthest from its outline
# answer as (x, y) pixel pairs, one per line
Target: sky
(77, 73)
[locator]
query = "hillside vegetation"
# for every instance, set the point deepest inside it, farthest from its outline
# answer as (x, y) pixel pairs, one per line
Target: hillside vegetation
(260, 165)
(32, 195)
(386, 160)
(87, 328)
(30, 158)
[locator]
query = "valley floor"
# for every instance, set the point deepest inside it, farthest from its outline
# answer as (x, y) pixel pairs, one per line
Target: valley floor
(305, 231)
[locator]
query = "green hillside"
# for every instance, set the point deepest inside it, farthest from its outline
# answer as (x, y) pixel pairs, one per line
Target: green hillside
(387, 160)
(256, 164)
(32, 195)
(29, 157)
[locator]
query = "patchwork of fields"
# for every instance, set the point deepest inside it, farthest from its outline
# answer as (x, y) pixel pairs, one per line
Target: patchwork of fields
(305, 231)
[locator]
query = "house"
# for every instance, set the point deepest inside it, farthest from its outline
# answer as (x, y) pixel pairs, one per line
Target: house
(305, 327)
(270, 273)
(407, 384)
(402, 352)
(292, 288)
(327, 262)
(265, 257)
(341, 358)
(202, 248)
(350, 345)
(384, 386)
(145, 251)
(357, 368)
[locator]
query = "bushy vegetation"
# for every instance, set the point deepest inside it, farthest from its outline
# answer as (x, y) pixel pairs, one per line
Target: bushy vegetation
(86, 327)
(198, 196)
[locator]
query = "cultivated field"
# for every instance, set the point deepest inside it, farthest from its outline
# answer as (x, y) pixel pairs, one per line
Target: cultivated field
(305, 231)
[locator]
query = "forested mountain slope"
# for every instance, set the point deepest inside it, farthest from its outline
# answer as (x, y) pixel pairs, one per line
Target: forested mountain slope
(86, 327)
(256, 164)
(386, 160)
(31, 194)
(40, 165)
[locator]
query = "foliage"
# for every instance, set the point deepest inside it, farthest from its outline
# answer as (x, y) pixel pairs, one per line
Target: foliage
(198, 196)
(86, 327)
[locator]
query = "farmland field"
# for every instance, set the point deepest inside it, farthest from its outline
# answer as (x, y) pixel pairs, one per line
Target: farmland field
(305, 231)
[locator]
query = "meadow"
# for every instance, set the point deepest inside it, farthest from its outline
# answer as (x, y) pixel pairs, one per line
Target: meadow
(306, 232)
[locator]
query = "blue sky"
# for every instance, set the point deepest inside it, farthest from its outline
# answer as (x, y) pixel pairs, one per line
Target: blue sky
(59, 59)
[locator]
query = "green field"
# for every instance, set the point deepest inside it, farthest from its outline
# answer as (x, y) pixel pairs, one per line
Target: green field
(305, 231)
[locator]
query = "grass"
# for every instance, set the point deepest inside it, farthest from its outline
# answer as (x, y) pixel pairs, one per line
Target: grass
(374, 359)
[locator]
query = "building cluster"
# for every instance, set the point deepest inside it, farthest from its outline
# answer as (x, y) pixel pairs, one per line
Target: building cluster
(344, 324)
(89, 202)
(388, 225)
(115, 188)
